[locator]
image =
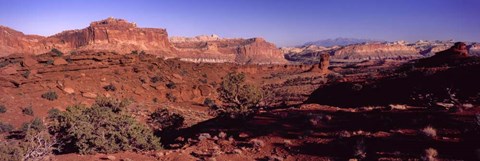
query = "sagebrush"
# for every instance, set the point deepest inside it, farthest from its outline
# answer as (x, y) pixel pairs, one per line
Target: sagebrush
(104, 127)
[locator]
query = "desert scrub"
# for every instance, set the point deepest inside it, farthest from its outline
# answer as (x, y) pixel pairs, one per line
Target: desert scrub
(116, 105)
(10, 150)
(57, 52)
(104, 128)
(239, 98)
(33, 146)
(27, 110)
(50, 95)
(5, 127)
(33, 143)
(164, 120)
(36, 124)
(171, 97)
(430, 154)
(26, 74)
(429, 131)
(171, 85)
(156, 79)
(3, 109)
(110, 87)
(49, 62)
(209, 103)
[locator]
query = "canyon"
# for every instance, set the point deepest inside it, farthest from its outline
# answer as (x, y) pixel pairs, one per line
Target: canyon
(357, 101)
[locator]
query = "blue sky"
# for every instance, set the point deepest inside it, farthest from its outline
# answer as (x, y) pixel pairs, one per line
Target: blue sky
(282, 22)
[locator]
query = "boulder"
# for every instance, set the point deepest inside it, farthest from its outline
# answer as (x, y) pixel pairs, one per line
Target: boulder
(59, 61)
(89, 95)
(205, 90)
(29, 62)
(68, 90)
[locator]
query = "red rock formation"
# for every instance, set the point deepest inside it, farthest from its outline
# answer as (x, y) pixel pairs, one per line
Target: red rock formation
(459, 49)
(214, 49)
(110, 34)
(321, 67)
(120, 36)
(12, 42)
(376, 51)
(113, 35)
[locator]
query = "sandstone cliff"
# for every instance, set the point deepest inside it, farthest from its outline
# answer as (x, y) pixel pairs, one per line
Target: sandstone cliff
(110, 34)
(12, 42)
(376, 51)
(215, 49)
(114, 35)
(120, 36)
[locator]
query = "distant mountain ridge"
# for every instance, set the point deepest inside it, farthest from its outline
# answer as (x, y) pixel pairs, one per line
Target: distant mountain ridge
(397, 50)
(339, 42)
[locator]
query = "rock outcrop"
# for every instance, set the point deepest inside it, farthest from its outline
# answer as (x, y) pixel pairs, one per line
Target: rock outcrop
(398, 50)
(215, 49)
(431, 77)
(321, 67)
(115, 35)
(375, 51)
(14, 42)
(110, 34)
(120, 36)
(455, 55)
(458, 50)
(474, 49)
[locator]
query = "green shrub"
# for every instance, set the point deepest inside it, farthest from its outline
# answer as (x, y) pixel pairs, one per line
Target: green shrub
(239, 98)
(5, 127)
(116, 105)
(50, 95)
(28, 110)
(209, 103)
(3, 109)
(57, 52)
(101, 128)
(171, 97)
(36, 124)
(26, 74)
(11, 151)
(163, 120)
(53, 113)
(33, 146)
(171, 85)
(110, 87)
(156, 79)
(49, 62)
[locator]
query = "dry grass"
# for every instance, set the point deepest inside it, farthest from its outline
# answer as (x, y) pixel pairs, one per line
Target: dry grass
(430, 154)
(429, 131)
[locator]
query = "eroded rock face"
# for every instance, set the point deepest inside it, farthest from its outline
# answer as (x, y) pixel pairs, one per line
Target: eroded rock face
(459, 49)
(322, 66)
(115, 35)
(398, 50)
(110, 34)
(475, 49)
(118, 35)
(14, 42)
(375, 51)
(215, 49)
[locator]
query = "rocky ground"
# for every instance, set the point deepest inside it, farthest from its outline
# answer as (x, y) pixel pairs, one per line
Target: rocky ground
(298, 123)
